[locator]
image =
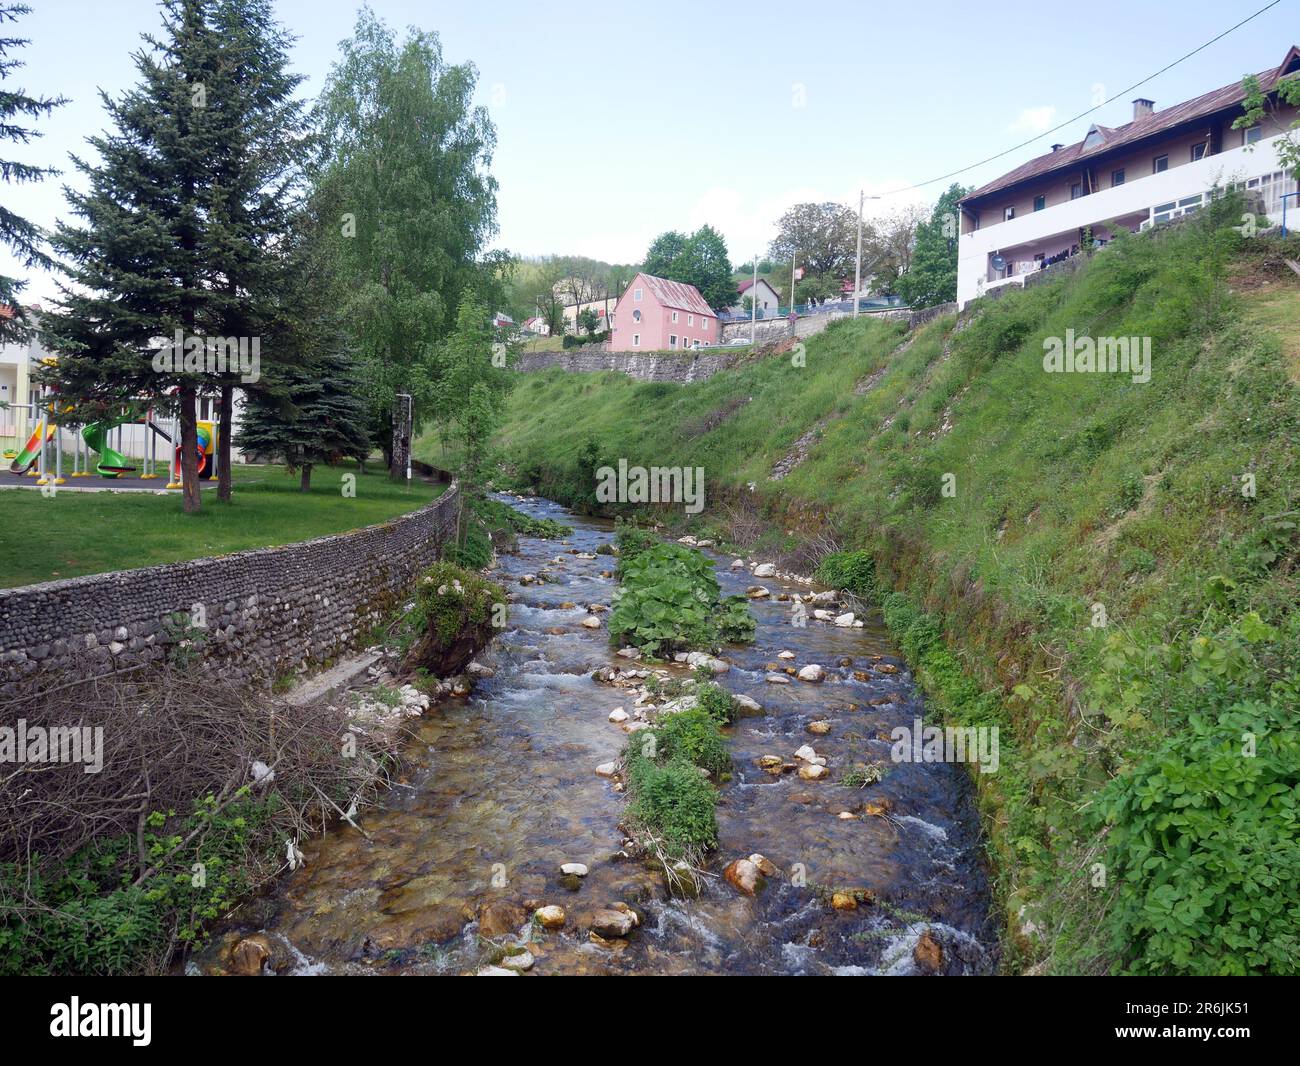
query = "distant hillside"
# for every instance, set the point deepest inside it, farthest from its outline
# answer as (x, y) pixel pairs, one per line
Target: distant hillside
(1105, 569)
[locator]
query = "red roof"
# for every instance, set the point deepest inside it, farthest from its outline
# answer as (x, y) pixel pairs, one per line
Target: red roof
(674, 294)
(1157, 122)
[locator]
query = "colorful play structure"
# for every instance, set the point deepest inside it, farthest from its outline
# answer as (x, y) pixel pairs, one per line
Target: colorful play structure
(46, 444)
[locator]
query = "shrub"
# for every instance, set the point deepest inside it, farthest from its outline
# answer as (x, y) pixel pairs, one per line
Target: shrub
(672, 802)
(693, 735)
(716, 702)
(852, 570)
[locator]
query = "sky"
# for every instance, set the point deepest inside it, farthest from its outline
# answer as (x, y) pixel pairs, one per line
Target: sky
(618, 121)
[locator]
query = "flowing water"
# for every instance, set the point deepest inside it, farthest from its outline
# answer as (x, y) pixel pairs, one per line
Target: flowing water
(501, 789)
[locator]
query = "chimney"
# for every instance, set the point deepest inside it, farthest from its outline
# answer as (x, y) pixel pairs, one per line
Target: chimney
(1143, 107)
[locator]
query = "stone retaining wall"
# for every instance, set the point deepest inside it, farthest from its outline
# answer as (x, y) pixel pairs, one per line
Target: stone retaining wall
(646, 366)
(264, 612)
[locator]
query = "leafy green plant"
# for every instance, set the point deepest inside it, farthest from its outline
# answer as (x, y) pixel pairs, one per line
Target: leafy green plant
(854, 571)
(693, 735)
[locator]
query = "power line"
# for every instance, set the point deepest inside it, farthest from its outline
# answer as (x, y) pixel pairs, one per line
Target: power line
(1084, 114)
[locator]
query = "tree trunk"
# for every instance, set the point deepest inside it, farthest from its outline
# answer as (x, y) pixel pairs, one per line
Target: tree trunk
(304, 482)
(189, 451)
(224, 417)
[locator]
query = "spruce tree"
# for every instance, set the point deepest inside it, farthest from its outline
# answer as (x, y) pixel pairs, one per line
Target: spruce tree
(181, 226)
(22, 237)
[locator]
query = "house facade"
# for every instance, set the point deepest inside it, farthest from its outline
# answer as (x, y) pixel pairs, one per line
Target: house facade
(1159, 166)
(656, 314)
(764, 296)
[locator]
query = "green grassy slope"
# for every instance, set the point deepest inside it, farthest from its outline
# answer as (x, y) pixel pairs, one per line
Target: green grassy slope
(1078, 499)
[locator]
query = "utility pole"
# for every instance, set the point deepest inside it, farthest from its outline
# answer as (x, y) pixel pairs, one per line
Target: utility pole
(753, 305)
(794, 258)
(857, 262)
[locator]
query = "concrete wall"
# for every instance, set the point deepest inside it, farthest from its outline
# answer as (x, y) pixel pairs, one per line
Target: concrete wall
(267, 611)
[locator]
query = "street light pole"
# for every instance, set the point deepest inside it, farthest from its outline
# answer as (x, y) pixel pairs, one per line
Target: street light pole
(857, 262)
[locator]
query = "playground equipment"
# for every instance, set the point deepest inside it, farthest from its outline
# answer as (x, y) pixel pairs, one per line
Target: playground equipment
(112, 462)
(30, 454)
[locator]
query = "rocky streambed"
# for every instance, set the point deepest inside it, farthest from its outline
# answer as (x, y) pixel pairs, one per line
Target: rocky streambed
(499, 851)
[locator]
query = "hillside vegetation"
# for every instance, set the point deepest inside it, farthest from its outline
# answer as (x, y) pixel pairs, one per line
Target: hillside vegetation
(1103, 568)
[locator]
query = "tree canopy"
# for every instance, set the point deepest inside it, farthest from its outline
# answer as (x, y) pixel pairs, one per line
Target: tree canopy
(932, 276)
(699, 259)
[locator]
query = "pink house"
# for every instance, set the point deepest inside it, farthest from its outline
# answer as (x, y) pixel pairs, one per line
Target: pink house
(656, 314)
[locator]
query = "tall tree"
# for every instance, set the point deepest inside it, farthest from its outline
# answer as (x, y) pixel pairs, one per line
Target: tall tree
(823, 237)
(23, 238)
(260, 139)
(403, 172)
(141, 262)
(932, 277)
(699, 259)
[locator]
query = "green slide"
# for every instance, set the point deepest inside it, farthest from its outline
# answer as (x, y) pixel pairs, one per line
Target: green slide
(111, 463)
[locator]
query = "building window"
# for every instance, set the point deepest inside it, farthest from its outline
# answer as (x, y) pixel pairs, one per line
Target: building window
(1008, 213)
(636, 295)
(1117, 177)
(636, 340)
(674, 316)
(1252, 135)
(1076, 190)
(690, 320)
(1198, 151)
(1160, 164)
(1040, 202)
(672, 340)
(636, 315)
(704, 325)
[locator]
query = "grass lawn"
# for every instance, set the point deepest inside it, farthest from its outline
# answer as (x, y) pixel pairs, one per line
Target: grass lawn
(77, 533)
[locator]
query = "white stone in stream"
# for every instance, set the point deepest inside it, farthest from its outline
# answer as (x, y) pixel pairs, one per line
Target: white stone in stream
(607, 769)
(550, 916)
(496, 971)
(824, 616)
(618, 715)
(737, 564)
(859, 624)
(523, 961)
(629, 653)
(680, 657)
(785, 655)
(845, 619)
(573, 869)
(806, 753)
(812, 672)
(765, 570)
(688, 539)
(777, 679)
(757, 592)
(746, 703)
(813, 772)
(591, 622)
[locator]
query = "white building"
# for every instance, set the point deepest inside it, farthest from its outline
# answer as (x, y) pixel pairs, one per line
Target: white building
(1159, 166)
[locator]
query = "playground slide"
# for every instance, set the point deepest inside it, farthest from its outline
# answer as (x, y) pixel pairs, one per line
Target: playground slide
(31, 453)
(207, 434)
(112, 463)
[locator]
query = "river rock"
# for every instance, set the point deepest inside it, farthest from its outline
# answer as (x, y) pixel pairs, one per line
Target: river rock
(812, 772)
(770, 762)
(737, 564)
(805, 752)
(777, 679)
(846, 619)
(249, 955)
(607, 769)
(757, 592)
(819, 728)
(573, 869)
(765, 570)
(812, 672)
(616, 920)
(496, 971)
(928, 953)
(500, 917)
(744, 876)
(519, 962)
(844, 901)
(785, 655)
(618, 715)
(551, 916)
(765, 865)
(591, 622)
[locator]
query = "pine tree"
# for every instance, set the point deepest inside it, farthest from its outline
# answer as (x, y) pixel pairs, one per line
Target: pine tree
(23, 238)
(180, 223)
(307, 414)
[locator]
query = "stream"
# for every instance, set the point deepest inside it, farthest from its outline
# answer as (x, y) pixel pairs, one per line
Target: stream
(500, 788)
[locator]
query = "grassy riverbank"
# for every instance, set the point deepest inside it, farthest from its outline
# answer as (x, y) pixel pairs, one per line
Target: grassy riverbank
(1105, 568)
